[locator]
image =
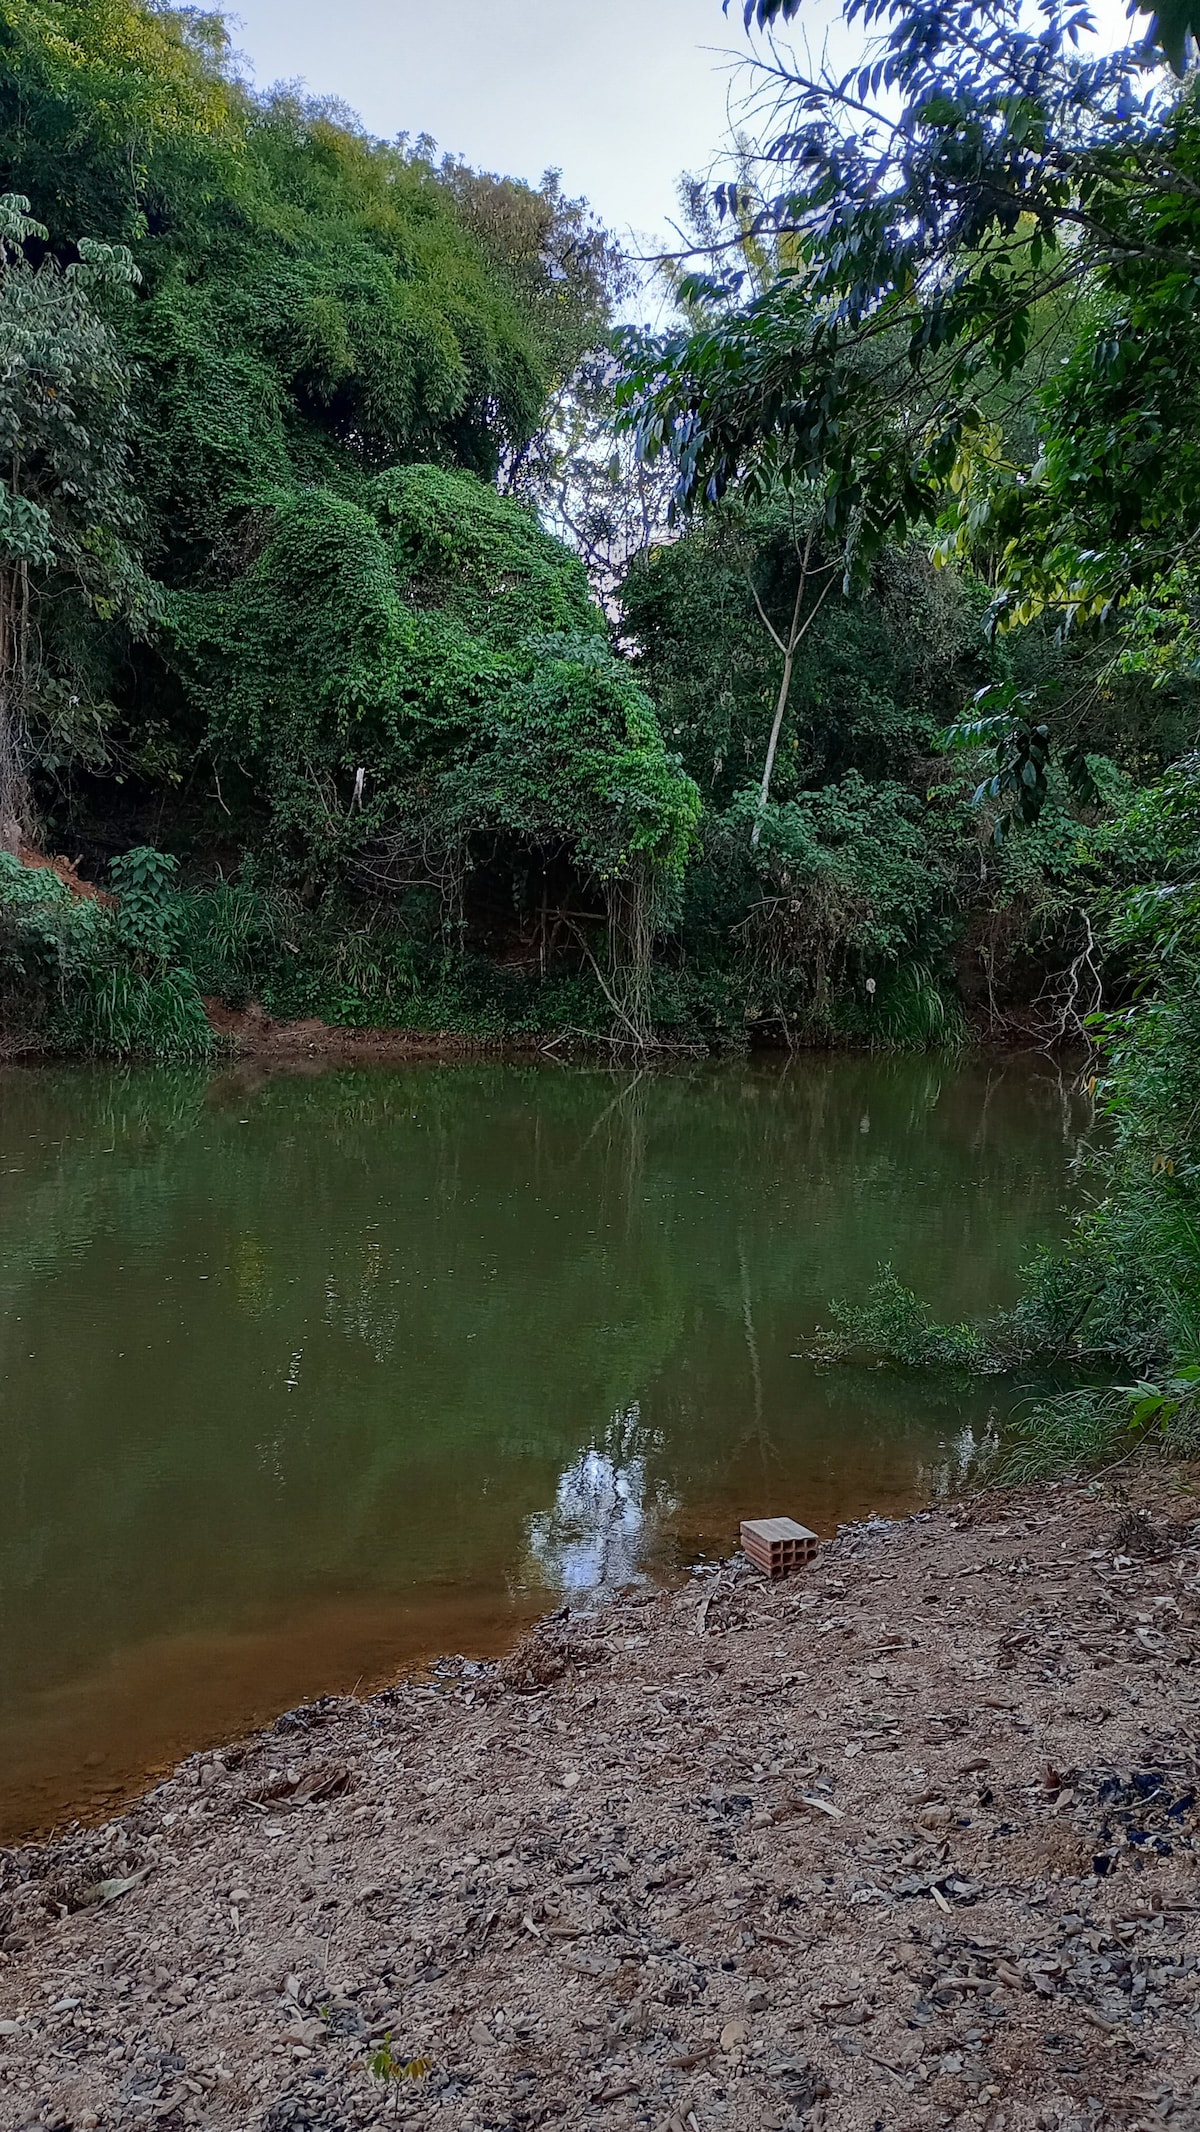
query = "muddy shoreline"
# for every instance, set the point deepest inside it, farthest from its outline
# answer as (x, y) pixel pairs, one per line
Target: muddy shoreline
(250, 1035)
(909, 1840)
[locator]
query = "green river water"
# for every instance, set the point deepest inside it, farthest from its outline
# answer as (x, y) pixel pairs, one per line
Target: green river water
(307, 1376)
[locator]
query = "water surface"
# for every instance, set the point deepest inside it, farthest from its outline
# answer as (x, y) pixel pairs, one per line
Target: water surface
(305, 1377)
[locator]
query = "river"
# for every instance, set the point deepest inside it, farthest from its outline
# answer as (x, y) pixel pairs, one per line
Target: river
(305, 1377)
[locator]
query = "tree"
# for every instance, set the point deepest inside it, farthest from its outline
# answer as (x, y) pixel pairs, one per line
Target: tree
(873, 678)
(931, 199)
(814, 578)
(586, 481)
(307, 289)
(971, 190)
(67, 518)
(422, 691)
(566, 269)
(315, 306)
(1175, 26)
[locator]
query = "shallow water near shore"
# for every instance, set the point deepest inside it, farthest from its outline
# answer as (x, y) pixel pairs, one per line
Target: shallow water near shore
(307, 1377)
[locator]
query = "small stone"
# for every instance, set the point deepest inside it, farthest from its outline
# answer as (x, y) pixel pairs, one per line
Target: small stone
(734, 2033)
(304, 2033)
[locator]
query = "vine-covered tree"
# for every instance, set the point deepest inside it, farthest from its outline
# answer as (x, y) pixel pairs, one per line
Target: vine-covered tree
(67, 520)
(313, 306)
(419, 686)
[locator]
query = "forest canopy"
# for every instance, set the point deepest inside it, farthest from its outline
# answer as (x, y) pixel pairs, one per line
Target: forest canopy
(304, 629)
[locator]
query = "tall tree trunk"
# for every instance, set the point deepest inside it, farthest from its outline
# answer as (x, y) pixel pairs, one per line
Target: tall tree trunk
(798, 630)
(785, 690)
(631, 913)
(14, 642)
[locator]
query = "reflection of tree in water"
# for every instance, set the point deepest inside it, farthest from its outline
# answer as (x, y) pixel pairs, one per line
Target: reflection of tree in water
(617, 1503)
(594, 1536)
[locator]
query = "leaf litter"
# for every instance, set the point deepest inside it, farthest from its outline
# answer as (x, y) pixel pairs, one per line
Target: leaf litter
(910, 1840)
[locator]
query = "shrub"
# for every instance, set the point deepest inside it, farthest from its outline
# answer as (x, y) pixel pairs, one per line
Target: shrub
(78, 976)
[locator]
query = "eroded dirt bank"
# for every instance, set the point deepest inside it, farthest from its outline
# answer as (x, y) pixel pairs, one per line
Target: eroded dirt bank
(252, 1034)
(909, 1841)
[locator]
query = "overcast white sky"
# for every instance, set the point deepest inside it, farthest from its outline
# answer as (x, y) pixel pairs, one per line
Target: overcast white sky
(621, 95)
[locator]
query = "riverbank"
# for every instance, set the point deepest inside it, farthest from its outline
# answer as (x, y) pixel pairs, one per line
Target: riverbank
(909, 1840)
(250, 1033)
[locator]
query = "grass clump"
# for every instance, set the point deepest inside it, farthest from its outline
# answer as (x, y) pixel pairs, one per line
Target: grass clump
(1092, 1427)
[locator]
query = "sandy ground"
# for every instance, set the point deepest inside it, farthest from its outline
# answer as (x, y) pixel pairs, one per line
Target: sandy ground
(910, 1840)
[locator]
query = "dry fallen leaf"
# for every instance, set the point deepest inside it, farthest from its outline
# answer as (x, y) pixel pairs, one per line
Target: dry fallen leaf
(107, 1891)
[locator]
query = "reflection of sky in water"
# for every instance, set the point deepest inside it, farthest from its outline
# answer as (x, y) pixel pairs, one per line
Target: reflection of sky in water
(593, 1535)
(607, 1511)
(966, 1459)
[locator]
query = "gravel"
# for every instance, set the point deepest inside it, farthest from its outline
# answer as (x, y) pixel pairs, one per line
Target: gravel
(909, 1840)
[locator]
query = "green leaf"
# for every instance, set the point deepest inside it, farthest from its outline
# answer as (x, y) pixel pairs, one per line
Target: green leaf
(1173, 24)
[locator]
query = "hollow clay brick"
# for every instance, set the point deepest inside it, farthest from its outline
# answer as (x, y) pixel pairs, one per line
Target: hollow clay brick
(777, 1546)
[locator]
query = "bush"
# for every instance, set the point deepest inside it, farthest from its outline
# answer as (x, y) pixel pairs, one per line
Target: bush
(835, 925)
(79, 976)
(894, 1326)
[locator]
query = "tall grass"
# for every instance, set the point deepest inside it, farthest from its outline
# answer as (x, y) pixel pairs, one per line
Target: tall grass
(230, 936)
(79, 976)
(913, 1011)
(119, 1012)
(1090, 1428)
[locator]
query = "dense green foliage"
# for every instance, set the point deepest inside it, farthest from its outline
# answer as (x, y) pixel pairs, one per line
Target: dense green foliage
(422, 668)
(300, 634)
(78, 974)
(871, 380)
(371, 678)
(320, 657)
(829, 909)
(885, 732)
(67, 514)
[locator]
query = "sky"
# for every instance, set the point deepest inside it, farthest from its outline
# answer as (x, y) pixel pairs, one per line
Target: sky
(620, 95)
